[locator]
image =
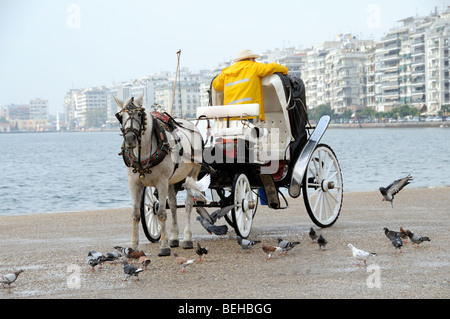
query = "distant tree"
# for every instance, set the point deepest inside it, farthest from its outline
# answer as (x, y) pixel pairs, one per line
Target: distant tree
(95, 118)
(319, 111)
(347, 114)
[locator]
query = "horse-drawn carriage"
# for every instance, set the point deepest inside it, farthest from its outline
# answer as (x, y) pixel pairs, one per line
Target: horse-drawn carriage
(252, 161)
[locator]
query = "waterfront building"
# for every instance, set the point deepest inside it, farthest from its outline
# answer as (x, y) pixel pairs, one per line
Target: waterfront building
(186, 97)
(334, 73)
(86, 107)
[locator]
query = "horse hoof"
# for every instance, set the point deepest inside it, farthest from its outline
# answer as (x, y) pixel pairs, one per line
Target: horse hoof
(174, 243)
(164, 252)
(188, 244)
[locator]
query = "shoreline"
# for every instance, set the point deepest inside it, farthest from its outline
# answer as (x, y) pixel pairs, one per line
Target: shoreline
(129, 207)
(331, 125)
(52, 249)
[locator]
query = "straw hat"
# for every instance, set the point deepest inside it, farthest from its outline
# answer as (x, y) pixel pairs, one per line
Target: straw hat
(246, 54)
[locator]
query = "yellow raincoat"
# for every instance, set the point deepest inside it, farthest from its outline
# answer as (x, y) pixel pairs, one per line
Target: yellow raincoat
(242, 82)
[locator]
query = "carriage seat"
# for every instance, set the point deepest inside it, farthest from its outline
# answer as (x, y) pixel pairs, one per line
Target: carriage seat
(232, 120)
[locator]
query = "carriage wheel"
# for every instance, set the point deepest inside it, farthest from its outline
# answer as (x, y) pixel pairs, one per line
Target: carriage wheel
(322, 187)
(246, 200)
(149, 220)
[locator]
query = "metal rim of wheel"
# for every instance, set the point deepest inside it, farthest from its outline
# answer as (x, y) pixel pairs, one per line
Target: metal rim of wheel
(246, 200)
(323, 187)
(149, 220)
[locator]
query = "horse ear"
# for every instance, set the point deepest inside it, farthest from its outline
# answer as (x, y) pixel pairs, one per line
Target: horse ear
(119, 102)
(139, 100)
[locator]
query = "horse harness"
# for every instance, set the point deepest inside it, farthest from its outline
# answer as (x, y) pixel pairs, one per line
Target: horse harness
(162, 123)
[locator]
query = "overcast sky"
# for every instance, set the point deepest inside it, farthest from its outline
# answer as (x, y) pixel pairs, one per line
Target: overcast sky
(48, 47)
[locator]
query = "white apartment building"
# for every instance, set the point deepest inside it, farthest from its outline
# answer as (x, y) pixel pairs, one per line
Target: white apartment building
(334, 73)
(79, 104)
(437, 65)
(39, 109)
(186, 97)
(411, 65)
(134, 88)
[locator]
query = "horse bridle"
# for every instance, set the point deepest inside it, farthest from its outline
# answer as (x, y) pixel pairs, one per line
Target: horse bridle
(139, 165)
(135, 113)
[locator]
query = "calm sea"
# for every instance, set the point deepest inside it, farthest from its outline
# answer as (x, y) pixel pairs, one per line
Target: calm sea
(60, 172)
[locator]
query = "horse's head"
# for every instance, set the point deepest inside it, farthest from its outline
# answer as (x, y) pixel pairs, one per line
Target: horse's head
(133, 119)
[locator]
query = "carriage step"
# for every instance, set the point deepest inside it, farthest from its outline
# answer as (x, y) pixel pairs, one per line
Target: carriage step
(271, 192)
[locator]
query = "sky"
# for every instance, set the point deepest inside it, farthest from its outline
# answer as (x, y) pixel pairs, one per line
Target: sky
(48, 47)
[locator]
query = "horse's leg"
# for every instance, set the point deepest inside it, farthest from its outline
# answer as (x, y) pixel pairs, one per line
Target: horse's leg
(189, 204)
(136, 193)
(187, 240)
(164, 249)
(174, 241)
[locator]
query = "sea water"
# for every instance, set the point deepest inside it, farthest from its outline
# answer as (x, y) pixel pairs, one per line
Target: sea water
(76, 171)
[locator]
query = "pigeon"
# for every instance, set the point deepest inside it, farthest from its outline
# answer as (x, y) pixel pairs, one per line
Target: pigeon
(95, 258)
(195, 188)
(183, 262)
(417, 239)
(397, 243)
(390, 233)
(403, 234)
(130, 252)
(246, 244)
(112, 256)
(269, 250)
(286, 245)
(201, 251)
(322, 242)
(8, 279)
(123, 250)
(206, 221)
(360, 254)
(144, 261)
(131, 270)
(218, 214)
(313, 235)
(389, 191)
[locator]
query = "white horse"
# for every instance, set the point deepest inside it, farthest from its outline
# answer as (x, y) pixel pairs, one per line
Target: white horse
(159, 155)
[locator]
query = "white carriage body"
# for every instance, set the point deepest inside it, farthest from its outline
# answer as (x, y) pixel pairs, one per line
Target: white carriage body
(271, 137)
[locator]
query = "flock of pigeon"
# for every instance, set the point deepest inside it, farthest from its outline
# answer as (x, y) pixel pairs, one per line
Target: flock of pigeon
(207, 220)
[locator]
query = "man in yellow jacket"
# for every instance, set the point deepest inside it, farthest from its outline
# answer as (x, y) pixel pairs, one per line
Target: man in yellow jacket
(241, 82)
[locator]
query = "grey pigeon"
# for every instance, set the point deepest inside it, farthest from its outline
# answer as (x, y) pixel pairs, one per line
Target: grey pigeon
(390, 233)
(8, 279)
(95, 258)
(322, 242)
(246, 244)
(397, 242)
(286, 245)
(208, 223)
(218, 214)
(112, 256)
(313, 235)
(417, 239)
(395, 187)
(131, 270)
